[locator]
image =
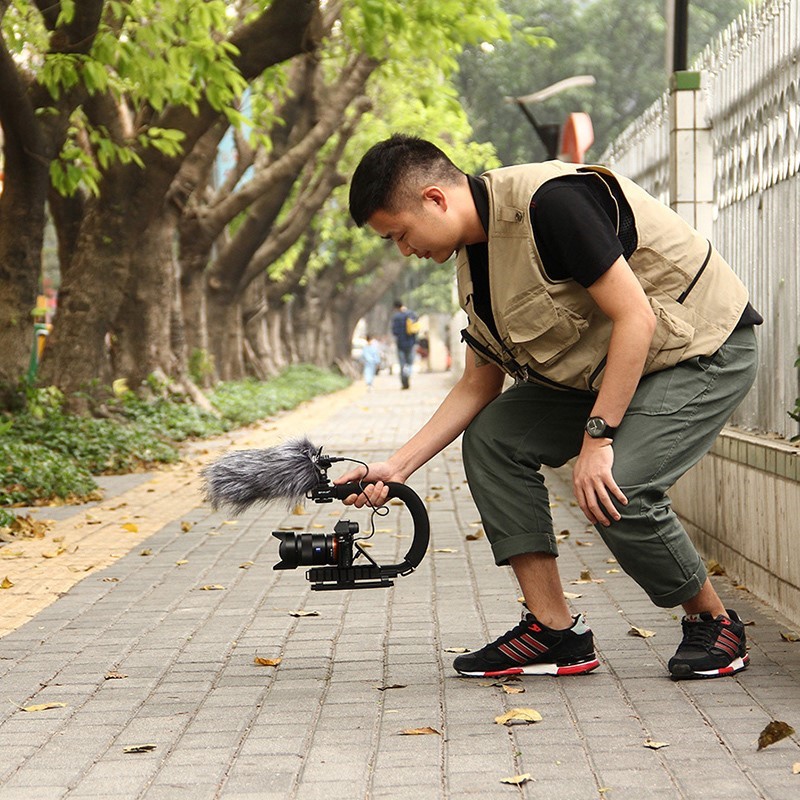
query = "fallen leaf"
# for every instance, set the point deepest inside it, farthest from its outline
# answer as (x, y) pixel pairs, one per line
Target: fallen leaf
(584, 544)
(110, 580)
(58, 539)
(91, 519)
(572, 595)
(7, 583)
(517, 780)
(790, 636)
(73, 568)
(139, 748)
(54, 553)
(304, 613)
(146, 552)
(431, 498)
(714, 567)
(246, 565)
(445, 550)
(774, 732)
(267, 662)
(456, 650)
(365, 544)
(519, 716)
(115, 676)
(6, 553)
(426, 731)
(181, 562)
(604, 789)
(186, 526)
(508, 689)
(586, 575)
(612, 571)
(236, 522)
(643, 632)
(393, 686)
(131, 527)
(211, 587)
(612, 561)
(391, 503)
(44, 706)
(471, 537)
(796, 768)
(318, 525)
(298, 510)
(654, 745)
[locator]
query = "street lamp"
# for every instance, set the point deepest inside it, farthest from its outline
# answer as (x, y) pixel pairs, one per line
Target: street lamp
(549, 133)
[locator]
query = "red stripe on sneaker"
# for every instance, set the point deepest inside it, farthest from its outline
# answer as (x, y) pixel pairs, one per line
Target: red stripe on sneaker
(529, 652)
(535, 643)
(511, 653)
(729, 637)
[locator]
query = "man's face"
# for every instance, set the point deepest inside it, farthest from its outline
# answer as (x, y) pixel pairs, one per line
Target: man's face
(426, 231)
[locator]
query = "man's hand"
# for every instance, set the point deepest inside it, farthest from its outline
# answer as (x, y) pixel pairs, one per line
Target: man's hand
(592, 481)
(375, 494)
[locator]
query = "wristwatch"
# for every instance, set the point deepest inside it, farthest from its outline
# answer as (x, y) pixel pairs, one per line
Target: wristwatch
(598, 428)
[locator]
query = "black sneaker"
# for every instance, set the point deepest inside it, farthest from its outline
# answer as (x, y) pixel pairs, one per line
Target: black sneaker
(711, 648)
(533, 649)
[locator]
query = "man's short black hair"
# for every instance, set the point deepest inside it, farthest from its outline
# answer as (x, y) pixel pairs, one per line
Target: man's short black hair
(391, 170)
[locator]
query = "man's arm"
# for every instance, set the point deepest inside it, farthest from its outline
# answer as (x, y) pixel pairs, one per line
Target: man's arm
(621, 298)
(477, 387)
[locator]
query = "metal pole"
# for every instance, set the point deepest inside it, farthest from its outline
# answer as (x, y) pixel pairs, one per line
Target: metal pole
(681, 36)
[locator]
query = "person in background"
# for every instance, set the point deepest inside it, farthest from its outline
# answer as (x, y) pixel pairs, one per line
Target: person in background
(404, 329)
(371, 359)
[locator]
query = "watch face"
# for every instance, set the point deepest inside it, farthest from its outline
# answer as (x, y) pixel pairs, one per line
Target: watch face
(595, 427)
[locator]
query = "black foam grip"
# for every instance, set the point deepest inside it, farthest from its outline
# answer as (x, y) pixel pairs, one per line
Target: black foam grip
(419, 515)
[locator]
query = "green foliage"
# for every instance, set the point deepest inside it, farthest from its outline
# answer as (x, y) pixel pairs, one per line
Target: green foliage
(48, 454)
(6, 518)
(201, 366)
(244, 402)
(795, 415)
(596, 37)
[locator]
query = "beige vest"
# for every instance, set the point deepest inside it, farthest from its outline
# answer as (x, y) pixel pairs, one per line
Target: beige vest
(552, 331)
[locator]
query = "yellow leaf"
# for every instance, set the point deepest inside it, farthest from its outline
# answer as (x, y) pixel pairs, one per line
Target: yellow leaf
(6, 584)
(584, 544)
(186, 526)
(445, 550)
(655, 745)
(119, 386)
(304, 613)
(572, 595)
(139, 748)
(471, 537)
(54, 553)
(790, 636)
(6, 553)
(612, 571)
(774, 732)
(44, 706)
(246, 565)
(72, 568)
(317, 525)
(517, 780)
(519, 716)
(426, 731)
(211, 587)
(115, 676)
(456, 650)
(612, 561)
(131, 527)
(643, 632)
(298, 510)
(714, 567)
(146, 552)
(513, 689)
(230, 522)
(110, 580)
(267, 662)
(796, 768)
(181, 562)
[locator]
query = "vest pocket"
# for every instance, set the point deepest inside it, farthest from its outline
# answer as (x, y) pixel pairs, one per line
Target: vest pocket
(543, 329)
(670, 340)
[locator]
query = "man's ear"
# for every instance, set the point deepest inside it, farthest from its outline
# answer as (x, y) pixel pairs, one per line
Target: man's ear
(435, 195)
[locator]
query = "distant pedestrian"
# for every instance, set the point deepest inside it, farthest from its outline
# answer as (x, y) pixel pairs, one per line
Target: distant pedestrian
(371, 357)
(404, 329)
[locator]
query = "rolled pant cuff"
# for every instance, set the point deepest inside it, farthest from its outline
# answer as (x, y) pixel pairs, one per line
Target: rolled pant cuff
(505, 548)
(686, 592)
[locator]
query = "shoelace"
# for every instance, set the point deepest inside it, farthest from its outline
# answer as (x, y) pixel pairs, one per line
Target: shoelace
(700, 634)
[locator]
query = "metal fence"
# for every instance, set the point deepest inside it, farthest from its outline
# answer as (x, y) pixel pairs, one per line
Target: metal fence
(753, 86)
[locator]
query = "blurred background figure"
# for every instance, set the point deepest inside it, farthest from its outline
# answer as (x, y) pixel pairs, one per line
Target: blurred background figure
(371, 357)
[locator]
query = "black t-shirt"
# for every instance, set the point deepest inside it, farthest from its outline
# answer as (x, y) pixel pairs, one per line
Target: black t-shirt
(580, 230)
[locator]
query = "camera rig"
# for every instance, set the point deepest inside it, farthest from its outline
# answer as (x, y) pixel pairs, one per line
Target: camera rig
(331, 556)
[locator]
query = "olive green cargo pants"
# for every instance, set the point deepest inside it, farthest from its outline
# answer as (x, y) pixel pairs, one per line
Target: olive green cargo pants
(672, 421)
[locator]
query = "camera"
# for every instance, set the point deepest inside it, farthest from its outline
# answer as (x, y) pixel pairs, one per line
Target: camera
(298, 469)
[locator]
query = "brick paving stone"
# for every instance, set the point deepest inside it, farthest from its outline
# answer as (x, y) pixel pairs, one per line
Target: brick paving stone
(317, 726)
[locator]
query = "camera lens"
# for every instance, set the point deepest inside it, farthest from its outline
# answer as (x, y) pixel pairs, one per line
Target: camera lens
(306, 549)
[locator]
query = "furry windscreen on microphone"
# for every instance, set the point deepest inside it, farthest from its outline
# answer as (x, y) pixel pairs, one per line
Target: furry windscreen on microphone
(243, 477)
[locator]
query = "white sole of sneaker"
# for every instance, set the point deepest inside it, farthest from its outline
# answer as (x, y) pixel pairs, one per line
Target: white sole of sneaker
(538, 669)
(737, 665)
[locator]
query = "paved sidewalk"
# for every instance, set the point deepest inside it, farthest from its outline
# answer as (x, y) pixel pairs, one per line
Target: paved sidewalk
(140, 653)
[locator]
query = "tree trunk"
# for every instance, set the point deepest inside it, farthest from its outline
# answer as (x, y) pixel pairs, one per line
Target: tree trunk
(143, 328)
(225, 333)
